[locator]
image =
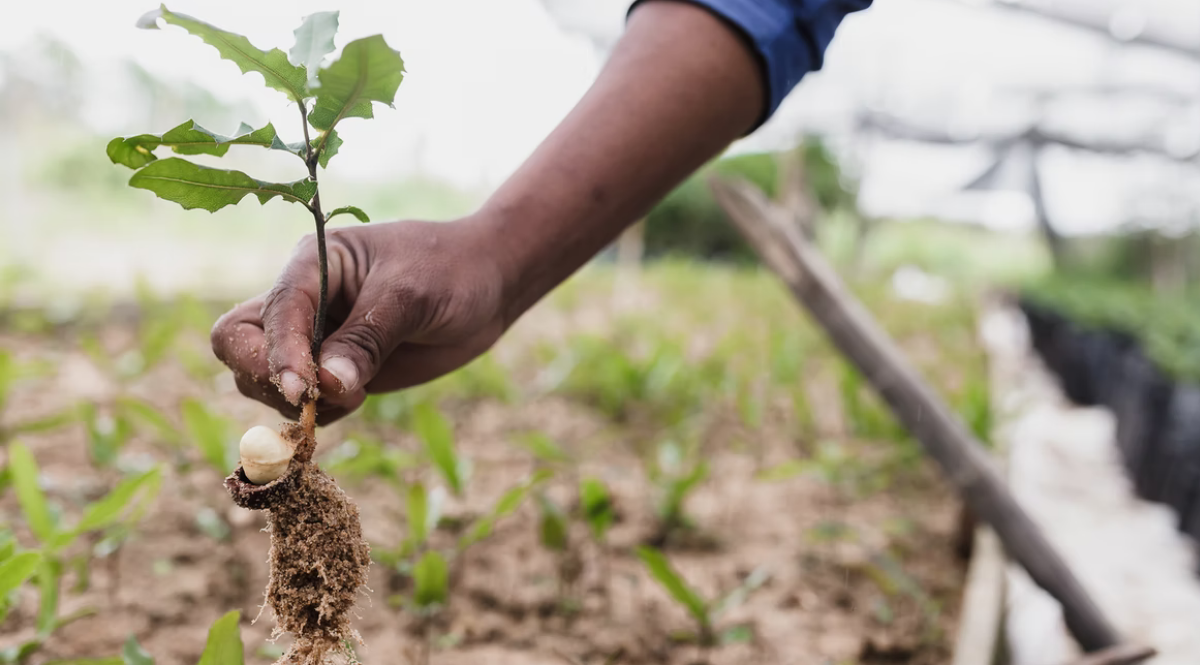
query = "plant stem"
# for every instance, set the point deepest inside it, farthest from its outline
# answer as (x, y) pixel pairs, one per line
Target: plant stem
(310, 160)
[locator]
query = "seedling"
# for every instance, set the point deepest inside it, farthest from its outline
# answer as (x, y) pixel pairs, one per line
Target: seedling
(674, 479)
(367, 71)
(597, 506)
(554, 534)
(117, 510)
(705, 613)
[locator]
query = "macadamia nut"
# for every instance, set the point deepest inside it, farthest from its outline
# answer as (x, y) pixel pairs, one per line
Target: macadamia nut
(265, 454)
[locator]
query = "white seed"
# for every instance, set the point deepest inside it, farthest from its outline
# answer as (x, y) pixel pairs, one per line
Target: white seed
(265, 454)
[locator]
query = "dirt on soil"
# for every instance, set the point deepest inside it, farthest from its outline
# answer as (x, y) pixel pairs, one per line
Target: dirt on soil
(870, 579)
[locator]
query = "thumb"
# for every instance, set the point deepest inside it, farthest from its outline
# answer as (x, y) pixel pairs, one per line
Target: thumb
(354, 353)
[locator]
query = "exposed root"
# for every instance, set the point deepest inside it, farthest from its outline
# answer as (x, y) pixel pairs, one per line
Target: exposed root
(318, 557)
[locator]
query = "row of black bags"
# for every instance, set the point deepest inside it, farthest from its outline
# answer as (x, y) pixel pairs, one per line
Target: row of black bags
(1158, 418)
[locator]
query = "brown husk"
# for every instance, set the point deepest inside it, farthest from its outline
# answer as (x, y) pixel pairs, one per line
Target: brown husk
(318, 557)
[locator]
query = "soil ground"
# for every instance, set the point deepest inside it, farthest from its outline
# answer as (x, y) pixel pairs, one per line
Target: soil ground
(854, 577)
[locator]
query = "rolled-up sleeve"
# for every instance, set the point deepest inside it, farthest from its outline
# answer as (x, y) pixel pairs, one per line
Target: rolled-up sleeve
(789, 37)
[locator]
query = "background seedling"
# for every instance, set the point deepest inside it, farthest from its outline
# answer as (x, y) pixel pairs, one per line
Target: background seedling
(704, 613)
(111, 514)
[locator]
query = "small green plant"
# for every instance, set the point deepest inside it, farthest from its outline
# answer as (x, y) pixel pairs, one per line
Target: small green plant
(112, 515)
(705, 613)
(554, 534)
(13, 372)
(674, 477)
(367, 71)
(596, 504)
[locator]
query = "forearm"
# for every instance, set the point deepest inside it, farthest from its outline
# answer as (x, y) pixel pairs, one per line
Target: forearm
(679, 87)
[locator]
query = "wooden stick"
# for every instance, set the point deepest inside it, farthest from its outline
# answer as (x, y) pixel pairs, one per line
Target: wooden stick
(962, 458)
(1125, 654)
(982, 612)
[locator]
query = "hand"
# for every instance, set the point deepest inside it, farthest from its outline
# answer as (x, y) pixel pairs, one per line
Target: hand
(408, 302)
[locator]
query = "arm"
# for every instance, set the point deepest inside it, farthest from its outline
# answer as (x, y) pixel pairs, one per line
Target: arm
(411, 301)
(679, 87)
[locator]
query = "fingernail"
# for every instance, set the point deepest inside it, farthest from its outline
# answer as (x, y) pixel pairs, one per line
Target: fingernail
(343, 370)
(292, 386)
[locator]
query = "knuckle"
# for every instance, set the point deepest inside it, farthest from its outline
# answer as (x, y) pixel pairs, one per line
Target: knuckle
(367, 340)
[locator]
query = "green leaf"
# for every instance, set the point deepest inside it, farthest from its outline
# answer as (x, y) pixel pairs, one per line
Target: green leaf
(211, 433)
(735, 598)
(189, 138)
(597, 506)
(224, 646)
(349, 210)
(434, 431)
(43, 424)
(552, 527)
(107, 511)
(49, 573)
(661, 570)
(133, 653)
(276, 71)
(368, 71)
(432, 580)
(543, 448)
(24, 473)
(331, 142)
(16, 569)
(505, 506)
(148, 414)
(314, 41)
(194, 186)
(418, 511)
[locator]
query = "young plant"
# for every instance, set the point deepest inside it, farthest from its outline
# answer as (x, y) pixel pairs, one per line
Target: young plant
(113, 513)
(554, 534)
(597, 505)
(705, 613)
(11, 373)
(367, 71)
(674, 478)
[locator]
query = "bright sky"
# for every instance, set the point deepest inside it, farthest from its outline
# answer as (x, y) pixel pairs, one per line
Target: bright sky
(488, 79)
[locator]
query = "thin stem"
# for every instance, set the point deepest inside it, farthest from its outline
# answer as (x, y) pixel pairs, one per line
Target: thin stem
(310, 159)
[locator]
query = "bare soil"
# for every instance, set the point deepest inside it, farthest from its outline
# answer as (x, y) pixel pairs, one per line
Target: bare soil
(869, 579)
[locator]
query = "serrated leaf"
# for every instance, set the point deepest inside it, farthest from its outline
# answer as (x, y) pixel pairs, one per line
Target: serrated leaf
(314, 41)
(431, 579)
(435, 432)
(133, 653)
(348, 210)
(276, 71)
(330, 148)
(24, 475)
(224, 645)
(189, 138)
(194, 186)
(662, 571)
(15, 570)
(368, 71)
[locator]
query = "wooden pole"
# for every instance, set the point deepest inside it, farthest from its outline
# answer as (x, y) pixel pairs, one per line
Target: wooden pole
(944, 437)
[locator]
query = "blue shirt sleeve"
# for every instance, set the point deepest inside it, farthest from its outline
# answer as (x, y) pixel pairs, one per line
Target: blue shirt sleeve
(789, 37)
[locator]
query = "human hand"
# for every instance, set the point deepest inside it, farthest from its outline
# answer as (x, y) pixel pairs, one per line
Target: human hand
(408, 302)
